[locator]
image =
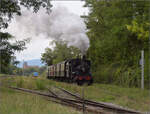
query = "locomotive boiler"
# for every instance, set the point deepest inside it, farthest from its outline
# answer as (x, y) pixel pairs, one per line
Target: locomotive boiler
(72, 70)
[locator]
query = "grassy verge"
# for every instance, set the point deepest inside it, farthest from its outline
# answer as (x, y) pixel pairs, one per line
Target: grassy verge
(12, 102)
(133, 98)
(2, 75)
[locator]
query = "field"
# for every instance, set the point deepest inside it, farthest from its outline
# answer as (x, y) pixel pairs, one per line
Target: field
(12, 102)
(133, 98)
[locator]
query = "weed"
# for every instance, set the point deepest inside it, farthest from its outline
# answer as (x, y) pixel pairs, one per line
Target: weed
(20, 83)
(21, 103)
(40, 85)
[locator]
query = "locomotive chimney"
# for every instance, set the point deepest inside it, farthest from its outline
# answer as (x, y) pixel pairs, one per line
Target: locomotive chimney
(80, 56)
(83, 57)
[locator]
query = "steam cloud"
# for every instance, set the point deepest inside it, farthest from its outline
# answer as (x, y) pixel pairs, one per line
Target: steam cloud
(59, 25)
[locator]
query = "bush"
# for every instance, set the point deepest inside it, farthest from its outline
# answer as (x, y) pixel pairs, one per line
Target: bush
(106, 73)
(128, 77)
(118, 74)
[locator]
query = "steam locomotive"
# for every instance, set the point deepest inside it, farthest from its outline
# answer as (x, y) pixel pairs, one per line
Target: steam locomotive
(72, 70)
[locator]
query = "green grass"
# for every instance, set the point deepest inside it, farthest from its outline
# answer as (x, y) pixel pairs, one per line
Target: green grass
(133, 98)
(2, 74)
(12, 102)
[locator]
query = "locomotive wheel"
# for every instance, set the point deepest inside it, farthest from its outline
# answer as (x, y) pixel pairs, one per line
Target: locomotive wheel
(90, 82)
(79, 82)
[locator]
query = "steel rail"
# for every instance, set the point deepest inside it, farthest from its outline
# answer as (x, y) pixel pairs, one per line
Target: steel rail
(100, 104)
(70, 102)
(72, 94)
(78, 103)
(9, 76)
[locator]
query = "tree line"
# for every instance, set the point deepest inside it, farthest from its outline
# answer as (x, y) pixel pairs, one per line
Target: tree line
(118, 30)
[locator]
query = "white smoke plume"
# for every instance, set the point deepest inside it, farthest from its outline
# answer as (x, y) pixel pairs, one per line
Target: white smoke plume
(59, 25)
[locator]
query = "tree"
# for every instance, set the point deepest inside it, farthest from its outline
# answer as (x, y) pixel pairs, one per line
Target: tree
(8, 8)
(141, 31)
(7, 51)
(48, 56)
(114, 45)
(60, 53)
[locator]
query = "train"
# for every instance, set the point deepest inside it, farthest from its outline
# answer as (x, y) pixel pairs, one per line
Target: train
(72, 70)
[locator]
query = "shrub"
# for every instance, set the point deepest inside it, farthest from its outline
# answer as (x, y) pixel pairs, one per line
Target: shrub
(118, 74)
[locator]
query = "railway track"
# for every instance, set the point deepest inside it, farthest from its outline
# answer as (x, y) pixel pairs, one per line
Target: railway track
(75, 101)
(9, 76)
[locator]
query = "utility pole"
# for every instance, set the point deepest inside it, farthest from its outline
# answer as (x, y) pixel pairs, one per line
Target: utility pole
(149, 51)
(0, 58)
(23, 68)
(83, 97)
(142, 69)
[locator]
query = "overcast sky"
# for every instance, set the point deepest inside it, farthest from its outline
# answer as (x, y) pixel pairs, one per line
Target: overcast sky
(37, 45)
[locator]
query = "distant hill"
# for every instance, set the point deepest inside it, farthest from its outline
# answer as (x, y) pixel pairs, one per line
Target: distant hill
(33, 62)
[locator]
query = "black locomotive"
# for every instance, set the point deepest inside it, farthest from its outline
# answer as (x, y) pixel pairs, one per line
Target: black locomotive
(72, 70)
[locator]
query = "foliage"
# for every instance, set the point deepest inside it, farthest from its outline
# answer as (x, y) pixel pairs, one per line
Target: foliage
(9, 8)
(139, 29)
(60, 53)
(118, 31)
(14, 70)
(7, 51)
(20, 83)
(48, 56)
(40, 85)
